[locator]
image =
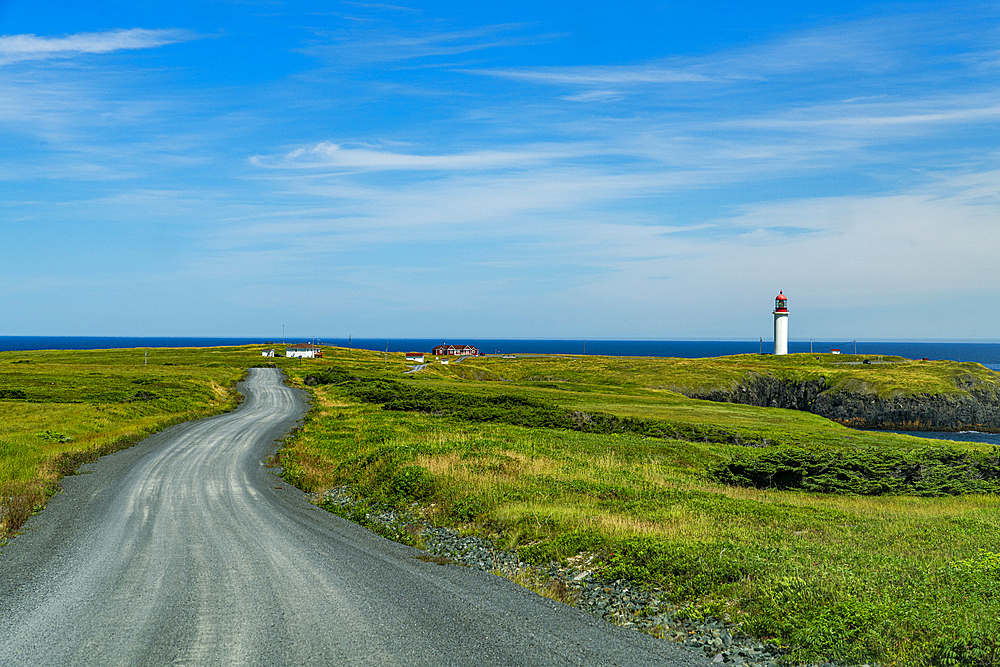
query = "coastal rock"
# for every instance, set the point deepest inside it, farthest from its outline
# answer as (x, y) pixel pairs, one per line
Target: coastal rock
(976, 406)
(767, 391)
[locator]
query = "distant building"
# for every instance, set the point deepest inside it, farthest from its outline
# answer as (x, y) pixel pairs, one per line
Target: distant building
(267, 353)
(415, 356)
(303, 351)
(456, 351)
(834, 351)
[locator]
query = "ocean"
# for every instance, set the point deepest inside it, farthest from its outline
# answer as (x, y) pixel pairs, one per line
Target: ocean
(961, 436)
(987, 354)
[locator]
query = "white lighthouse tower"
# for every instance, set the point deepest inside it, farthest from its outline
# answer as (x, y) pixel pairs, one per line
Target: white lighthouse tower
(781, 324)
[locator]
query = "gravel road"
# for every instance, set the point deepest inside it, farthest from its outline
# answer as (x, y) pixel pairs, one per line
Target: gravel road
(186, 550)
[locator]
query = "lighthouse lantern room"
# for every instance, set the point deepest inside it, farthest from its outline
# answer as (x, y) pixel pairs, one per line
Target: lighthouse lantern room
(781, 324)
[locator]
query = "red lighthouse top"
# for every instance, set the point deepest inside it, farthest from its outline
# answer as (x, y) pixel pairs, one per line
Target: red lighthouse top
(781, 303)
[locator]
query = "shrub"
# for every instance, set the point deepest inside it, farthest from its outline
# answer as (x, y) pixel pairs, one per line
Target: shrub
(412, 483)
(930, 471)
(467, 508)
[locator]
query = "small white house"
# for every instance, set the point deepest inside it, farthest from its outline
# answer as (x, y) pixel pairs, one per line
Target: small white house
(303, 351)
(415, 356)
(267, 353)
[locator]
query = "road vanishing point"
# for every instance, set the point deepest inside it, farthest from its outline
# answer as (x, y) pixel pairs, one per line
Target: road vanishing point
(187, 550)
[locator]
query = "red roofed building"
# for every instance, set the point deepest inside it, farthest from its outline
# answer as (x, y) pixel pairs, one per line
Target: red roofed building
(456, 351)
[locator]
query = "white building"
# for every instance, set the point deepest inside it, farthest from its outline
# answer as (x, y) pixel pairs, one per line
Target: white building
(267, 353)
(303, 351)
(415, 356)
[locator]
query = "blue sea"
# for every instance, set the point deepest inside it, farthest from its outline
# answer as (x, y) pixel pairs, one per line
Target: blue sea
(987, 354)
(961, 436)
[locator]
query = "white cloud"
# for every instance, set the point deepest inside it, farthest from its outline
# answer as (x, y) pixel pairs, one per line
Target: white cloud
(594, 96)
(588, 76)
(330, 155)
(374, 46)
(877, 116)
(14, 48)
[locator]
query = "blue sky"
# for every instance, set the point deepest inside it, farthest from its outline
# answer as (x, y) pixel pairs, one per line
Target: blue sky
(500, 170)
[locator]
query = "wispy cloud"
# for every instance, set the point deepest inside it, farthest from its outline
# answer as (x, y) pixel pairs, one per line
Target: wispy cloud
(863, 48)
(379, 46)
(587, 76)
(379, 5)
(330, 155)
(14, 48)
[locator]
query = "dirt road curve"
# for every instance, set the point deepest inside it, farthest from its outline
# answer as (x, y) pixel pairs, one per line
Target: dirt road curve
(184, 551)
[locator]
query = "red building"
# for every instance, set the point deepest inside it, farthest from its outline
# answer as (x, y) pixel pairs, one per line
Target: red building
(456, 351)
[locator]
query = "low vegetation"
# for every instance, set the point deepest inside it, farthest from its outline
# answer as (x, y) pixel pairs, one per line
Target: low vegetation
(838, 544)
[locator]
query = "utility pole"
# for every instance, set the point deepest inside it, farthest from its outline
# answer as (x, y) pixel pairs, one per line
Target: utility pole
(282, 334)
(810, 346)
(760, 348)
(585, 346)
(386, 351)
(145, 358)
(348, 346)
(855, 347)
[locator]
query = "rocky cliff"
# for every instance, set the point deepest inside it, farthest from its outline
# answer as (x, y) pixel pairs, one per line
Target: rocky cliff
(974, 406)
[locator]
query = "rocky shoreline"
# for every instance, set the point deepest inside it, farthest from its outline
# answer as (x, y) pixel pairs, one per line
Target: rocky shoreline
(618, 602)
(975, 408)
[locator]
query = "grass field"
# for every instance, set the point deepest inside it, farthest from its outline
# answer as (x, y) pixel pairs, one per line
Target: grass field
(558, 457)
(885, 376)
(897, 579)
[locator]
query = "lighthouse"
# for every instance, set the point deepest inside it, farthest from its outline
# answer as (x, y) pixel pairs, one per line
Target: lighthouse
(781, 324)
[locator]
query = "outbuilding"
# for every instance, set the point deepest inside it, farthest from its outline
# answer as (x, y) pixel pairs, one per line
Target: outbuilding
(415, 356)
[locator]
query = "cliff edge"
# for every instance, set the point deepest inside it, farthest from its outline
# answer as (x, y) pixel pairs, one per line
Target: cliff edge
(974, 405)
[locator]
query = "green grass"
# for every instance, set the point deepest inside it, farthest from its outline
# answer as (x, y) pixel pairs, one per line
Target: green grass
(895, 579)
(891, 578)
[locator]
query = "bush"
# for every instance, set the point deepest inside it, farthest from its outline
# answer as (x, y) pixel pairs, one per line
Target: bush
(931, 471)
(412, 483)
(467, 508)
